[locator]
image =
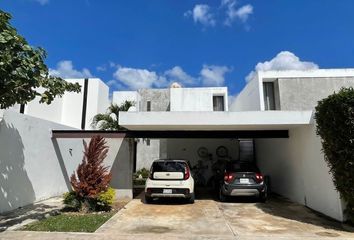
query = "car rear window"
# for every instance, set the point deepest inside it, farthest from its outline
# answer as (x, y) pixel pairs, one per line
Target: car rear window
(168, 166)
(241, 167)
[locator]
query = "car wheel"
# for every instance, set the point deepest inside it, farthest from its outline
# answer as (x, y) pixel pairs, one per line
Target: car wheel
(222, 197)
(148, 199)
(191, 199)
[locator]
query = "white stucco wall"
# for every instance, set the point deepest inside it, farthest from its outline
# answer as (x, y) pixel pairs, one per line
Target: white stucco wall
(72, 106)
(97, 100)
(297, 170)
(52, 112)
(34, 166)
(196, 99)
(188, 149)
(250, 98)
(67, 110)
(255, 120)
(146, 154)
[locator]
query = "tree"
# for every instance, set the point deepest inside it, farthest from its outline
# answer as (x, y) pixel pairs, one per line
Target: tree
(109, 120)
(335, 125)
(23, 74)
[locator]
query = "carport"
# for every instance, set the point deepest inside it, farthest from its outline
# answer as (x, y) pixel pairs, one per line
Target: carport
(286, 147)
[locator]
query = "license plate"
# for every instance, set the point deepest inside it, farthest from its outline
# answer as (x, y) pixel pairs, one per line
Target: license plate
(244, 180)
(167, 191)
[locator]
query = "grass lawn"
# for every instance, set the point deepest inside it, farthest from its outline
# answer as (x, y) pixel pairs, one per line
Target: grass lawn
(70, 222)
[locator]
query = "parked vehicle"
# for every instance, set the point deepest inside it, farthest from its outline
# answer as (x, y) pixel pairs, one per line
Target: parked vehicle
(170, 178)
(243, 179)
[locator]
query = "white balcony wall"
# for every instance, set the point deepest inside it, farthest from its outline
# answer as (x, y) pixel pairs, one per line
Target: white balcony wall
(196, 99)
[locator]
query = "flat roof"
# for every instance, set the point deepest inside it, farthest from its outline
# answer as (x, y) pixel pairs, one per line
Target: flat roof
(214, 121)
(311, 73)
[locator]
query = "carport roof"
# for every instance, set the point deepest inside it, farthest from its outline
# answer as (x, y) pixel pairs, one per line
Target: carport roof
(214, 121)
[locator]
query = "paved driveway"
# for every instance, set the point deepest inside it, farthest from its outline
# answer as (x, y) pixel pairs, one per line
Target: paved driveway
(207, 219)
(211, 219)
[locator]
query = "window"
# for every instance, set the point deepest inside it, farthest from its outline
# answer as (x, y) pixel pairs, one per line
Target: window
(168, 166)
(148, 106)
(218, 103)
(268, 94)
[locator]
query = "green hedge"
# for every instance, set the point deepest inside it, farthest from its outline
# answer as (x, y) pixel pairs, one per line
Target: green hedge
(335, 125)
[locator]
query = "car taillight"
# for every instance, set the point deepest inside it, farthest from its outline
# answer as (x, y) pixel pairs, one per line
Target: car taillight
(259, 178)
(186, 173)
(228, 177)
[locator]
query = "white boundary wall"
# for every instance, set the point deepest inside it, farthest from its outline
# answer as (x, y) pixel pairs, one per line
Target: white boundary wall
(33, 166)
(297, 170)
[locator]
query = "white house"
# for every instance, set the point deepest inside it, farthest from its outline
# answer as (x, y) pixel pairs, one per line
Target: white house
(270, 122)
(270, 103)
(73, 109)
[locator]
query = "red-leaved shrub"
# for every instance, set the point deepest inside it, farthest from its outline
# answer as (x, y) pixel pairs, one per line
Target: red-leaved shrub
(92, 177)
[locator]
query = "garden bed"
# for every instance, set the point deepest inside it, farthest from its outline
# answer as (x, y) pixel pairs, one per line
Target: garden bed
(74, 221)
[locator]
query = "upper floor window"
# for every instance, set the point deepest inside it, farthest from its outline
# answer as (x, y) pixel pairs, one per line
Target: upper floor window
(268, 94)
(148, 106)
(218, 103)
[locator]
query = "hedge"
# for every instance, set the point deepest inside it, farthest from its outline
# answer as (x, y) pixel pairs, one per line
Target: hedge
(335, 125)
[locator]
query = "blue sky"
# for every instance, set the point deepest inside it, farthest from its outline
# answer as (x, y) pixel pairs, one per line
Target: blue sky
(137, 43)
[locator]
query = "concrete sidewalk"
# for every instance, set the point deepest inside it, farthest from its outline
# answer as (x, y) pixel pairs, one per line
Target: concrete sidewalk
(25, 215)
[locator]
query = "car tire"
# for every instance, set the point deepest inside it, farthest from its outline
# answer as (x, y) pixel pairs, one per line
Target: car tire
(222, 197)
(191, 199)
(148, 199)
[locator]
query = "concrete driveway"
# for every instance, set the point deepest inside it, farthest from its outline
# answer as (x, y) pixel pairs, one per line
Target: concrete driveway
(214, 220)
(206, 219)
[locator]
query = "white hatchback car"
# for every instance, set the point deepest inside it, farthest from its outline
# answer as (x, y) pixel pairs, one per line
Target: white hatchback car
(169, 178)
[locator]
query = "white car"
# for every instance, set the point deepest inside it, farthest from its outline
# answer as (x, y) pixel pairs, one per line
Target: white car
(169, 178)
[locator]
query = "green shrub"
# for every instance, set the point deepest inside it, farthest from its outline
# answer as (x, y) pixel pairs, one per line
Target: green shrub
(139, 182)
(72, 201)
(335, 125)
(143, 172)
(103, 202)
(107, 198)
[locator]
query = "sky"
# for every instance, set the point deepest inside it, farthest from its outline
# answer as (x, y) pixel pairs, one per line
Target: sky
(153, 43)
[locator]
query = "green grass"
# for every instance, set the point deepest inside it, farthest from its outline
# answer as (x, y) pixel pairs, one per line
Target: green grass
(70, 223)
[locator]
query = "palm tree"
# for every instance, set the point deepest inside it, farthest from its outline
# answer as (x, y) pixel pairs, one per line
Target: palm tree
(109, 120)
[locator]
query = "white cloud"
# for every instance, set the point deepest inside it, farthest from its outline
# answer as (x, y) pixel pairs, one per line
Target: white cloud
(101, 68)
(284, 60)
(201, 14)
(233, 13)
(42, 2)
(229, 10)
(244, 12)
(116, 85)
(65, 69)
(212, 75)
(135, 78)
(176, 74)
